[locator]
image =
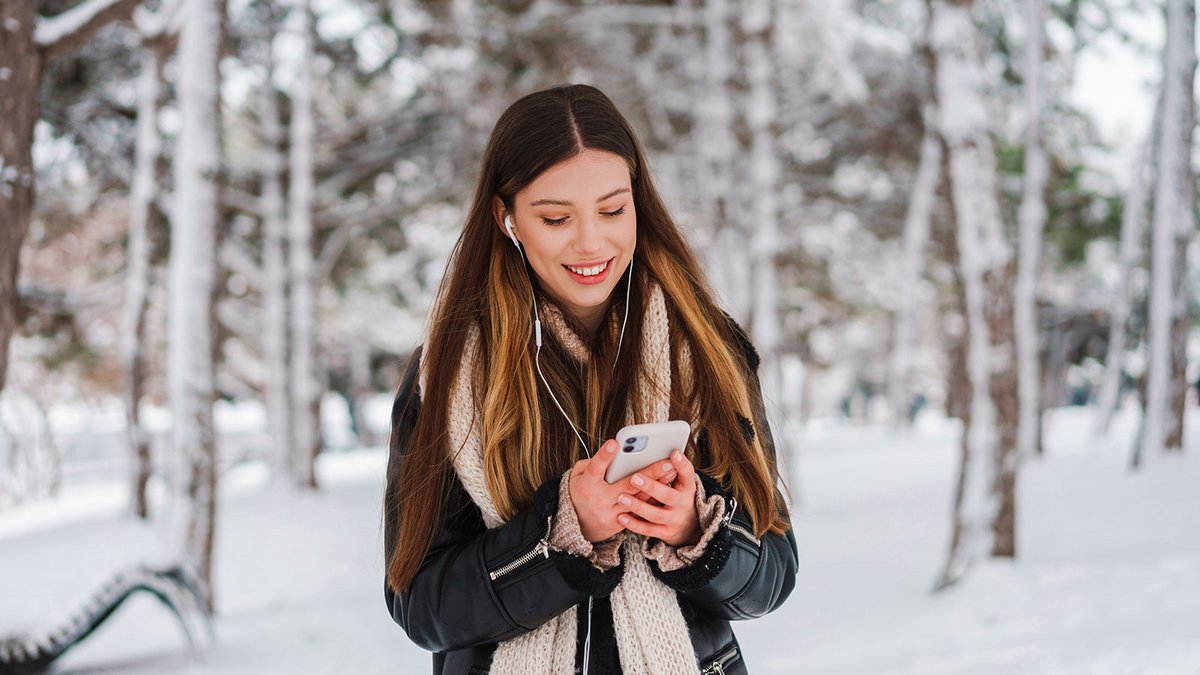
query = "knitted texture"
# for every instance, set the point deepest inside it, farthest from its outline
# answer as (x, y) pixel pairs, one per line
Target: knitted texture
(652, 635)
(711, 510)
(567, 536)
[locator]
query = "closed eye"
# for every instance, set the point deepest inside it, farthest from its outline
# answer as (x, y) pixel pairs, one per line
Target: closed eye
(559, 221)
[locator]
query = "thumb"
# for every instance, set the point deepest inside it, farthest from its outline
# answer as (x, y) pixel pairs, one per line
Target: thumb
(603, 457)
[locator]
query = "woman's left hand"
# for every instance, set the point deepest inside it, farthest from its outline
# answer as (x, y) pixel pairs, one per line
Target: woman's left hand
(673, 519)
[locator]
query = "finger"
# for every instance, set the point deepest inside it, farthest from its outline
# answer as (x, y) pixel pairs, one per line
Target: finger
(638, 526)
(663, 472)
(579, 467)
(687, 472)
(655, 489)
(599, 462)
(648, 512)
(648, 499)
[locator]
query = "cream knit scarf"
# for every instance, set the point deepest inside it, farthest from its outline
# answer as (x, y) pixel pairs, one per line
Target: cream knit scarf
(652, 636)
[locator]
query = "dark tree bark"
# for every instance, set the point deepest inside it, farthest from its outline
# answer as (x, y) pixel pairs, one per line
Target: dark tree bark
(27, 43)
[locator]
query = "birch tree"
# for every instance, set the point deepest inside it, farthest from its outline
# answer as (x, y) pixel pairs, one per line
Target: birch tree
(274, 271)
(1032, 221)
(916, 237)
(1128, 258)
(157, 36)
(984, 509)
(717, 147)
(27, 43)
(193, 269)
(1171, 230)
(304, 387)
(760, 112)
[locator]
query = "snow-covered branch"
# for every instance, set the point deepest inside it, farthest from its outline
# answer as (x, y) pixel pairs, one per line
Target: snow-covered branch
(163, 23)
(633, 15)
(240, 200)
(237, 259)
(62, 33)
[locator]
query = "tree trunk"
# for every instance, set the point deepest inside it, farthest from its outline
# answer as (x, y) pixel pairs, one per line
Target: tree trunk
(137, 274)
(916, 236)
(1032, 218)
(717, 149)
(274, 291)
(193, 269)
(984, 513)
(760, 112)
(305, 390)
(358, 355)
(1171, 231)
(27, 42)
(1129, 255)
(19, 58)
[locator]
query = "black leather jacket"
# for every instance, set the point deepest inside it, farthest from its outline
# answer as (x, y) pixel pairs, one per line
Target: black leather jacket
(477, 586)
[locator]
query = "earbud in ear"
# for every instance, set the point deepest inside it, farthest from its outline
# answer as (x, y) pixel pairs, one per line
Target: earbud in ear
(509, 226)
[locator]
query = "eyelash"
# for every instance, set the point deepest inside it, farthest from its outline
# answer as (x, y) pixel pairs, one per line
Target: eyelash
(559, 221)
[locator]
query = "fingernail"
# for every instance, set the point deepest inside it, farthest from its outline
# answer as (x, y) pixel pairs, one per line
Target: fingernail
(624, 520)
(612, 446)
(638, 480)
(678, 455)
(624, 499)
(667, 466)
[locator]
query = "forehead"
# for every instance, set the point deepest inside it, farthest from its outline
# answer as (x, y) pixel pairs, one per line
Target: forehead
(581, 180)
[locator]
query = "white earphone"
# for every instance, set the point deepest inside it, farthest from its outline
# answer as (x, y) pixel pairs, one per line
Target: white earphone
(508, 226)
(537, 334)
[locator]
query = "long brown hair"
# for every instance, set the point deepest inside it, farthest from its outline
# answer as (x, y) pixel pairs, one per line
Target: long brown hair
(525, 439)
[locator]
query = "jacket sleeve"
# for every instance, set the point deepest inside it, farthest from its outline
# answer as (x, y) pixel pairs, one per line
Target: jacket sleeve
(478, 585)
(739, 576)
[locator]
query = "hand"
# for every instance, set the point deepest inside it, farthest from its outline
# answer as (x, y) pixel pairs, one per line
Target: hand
(597, 503)
(673, 519)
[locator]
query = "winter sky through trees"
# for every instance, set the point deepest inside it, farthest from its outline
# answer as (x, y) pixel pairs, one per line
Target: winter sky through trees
(960, 233)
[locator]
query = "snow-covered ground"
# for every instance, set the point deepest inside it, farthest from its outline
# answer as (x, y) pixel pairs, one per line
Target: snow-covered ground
(1108, 579)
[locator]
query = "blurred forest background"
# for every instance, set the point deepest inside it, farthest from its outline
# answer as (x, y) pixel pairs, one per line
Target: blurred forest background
(982, 208)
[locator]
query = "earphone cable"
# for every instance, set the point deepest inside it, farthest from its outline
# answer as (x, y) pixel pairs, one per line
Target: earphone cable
(537, 332)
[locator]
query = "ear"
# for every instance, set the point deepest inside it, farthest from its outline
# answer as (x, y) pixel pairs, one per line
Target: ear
(498, 213)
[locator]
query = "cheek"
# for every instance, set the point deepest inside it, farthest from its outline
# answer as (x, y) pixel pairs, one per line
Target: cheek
(627, 236)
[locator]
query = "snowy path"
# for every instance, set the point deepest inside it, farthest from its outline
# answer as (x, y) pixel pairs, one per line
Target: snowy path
(1108, 580)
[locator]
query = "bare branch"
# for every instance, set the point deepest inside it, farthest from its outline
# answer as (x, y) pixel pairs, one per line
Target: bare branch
(237, 259)
(240, 200)
(65, 32)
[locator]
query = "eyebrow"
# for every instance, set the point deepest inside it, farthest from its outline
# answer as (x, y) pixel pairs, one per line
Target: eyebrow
(563, 202)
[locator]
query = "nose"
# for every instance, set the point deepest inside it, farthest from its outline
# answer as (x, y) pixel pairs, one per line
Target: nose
(588, 237)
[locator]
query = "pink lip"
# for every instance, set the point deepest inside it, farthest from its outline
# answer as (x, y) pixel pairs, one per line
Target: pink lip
(599, 278)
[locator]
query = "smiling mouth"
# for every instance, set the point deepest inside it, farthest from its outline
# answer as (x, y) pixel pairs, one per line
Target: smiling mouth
(590, 270)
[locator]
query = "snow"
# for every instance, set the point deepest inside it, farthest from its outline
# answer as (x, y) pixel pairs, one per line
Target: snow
(51, 30)
(1107, 578)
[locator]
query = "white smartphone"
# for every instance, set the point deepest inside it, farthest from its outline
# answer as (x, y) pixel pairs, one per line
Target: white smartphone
(640, 445)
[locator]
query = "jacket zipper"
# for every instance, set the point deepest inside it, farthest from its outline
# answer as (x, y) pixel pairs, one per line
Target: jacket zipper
(720, 662)
(542, 548)
(738, 528)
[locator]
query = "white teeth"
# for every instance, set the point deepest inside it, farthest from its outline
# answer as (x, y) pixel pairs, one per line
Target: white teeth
(588, 271)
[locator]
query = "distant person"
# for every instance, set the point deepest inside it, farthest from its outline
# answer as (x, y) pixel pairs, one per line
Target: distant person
(507, 550)
(914, 408)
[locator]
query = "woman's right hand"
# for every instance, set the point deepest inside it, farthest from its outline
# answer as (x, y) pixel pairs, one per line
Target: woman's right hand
(596, 502)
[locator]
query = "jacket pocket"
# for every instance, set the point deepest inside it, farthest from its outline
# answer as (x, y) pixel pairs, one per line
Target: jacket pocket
(541, 548)
(737, 528)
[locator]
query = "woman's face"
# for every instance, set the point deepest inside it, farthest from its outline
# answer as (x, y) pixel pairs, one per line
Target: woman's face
(577, 225)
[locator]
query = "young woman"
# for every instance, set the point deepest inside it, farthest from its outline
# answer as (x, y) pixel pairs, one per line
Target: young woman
(508, 551)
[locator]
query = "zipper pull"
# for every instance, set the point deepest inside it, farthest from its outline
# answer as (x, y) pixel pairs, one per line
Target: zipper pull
(544, 544)
(733, 504)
